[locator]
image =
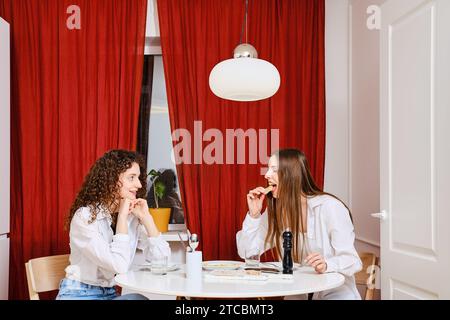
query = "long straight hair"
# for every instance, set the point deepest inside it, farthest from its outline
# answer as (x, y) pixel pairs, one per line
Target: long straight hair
(294, 181)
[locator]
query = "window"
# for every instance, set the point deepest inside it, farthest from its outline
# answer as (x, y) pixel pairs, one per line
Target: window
(158, 150)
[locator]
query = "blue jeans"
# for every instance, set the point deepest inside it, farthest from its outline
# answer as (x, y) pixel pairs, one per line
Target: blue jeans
(75, 290)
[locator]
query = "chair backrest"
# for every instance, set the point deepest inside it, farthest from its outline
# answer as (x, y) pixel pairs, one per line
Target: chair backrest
(44, 274)
(363, 277)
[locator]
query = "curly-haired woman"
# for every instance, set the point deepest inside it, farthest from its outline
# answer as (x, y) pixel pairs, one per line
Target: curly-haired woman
(108, 221)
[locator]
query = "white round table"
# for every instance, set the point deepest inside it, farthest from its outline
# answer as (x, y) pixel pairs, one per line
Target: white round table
(305, 280)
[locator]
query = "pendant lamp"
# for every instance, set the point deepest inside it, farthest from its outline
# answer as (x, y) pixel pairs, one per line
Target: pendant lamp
(244, 77)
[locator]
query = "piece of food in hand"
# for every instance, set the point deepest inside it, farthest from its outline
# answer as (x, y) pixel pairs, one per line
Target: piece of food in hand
(268, 189)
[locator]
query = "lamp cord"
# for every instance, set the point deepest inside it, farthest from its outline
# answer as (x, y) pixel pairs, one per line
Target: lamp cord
(245, 25)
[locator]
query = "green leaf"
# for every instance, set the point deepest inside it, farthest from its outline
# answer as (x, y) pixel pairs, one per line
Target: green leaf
(160, 189)
(154, 174)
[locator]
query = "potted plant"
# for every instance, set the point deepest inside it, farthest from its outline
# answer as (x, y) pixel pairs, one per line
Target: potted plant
(161, 216)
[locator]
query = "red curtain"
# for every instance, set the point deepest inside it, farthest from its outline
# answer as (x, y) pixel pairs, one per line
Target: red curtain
(75, 94)
(196, 35)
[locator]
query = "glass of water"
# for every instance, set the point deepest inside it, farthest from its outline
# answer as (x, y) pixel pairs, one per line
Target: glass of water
(159, 266)
(252, 257)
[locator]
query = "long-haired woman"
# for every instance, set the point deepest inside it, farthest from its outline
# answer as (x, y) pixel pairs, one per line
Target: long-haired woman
(320, 222)
(108, 221)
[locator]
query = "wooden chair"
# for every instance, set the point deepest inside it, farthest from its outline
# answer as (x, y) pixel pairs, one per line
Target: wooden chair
(367, 275)
(44, 274)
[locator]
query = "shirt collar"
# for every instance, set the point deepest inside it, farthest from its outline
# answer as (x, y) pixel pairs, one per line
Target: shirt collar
(314, 201)
(103, 213)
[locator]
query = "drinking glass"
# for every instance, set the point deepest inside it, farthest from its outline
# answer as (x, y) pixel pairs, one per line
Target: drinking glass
(159, 266)
(252, 257)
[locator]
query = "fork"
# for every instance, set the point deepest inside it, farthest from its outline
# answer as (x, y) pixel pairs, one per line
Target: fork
(188, 248)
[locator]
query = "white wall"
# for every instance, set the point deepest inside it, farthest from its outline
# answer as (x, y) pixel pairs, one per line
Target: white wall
(365, 102)
(352, 142)
(337, 154)
(5, 156)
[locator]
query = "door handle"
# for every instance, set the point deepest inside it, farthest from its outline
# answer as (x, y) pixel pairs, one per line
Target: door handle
(380, 215)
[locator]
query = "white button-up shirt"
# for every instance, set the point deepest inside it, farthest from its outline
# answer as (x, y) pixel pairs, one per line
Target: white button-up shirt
(97, 255)
(330, 232)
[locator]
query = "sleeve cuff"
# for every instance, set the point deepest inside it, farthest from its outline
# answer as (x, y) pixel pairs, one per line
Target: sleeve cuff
(331, 266)
(155, 240)
(252, 222)
(157, 247)
(121, 237)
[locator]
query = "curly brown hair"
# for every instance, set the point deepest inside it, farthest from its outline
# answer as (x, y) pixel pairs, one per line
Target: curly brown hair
(101, 184)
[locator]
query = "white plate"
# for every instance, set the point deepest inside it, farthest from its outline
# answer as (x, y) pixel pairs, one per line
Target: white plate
(278, 265)
(222, 265)
(170, 267)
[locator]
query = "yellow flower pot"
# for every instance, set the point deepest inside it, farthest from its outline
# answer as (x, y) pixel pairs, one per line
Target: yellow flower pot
(161, 216)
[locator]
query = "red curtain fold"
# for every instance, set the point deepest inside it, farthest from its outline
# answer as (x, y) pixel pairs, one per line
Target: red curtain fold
(196, 35)
(75, 94)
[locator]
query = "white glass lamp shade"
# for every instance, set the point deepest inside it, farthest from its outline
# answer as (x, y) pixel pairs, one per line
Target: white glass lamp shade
(244, 79)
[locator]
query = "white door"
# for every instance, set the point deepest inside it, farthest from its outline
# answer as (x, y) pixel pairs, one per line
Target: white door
(415, 149)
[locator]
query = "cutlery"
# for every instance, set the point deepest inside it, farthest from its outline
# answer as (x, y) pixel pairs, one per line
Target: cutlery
(188, 248)
(193, 241)
(188, 233)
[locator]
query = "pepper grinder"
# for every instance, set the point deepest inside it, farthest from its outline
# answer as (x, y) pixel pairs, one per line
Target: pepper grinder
(288, 265)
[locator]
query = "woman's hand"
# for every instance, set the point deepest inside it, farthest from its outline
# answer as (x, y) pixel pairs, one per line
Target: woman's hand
(140, 210)
(316, 261)
(255, 200)
(125, 207)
